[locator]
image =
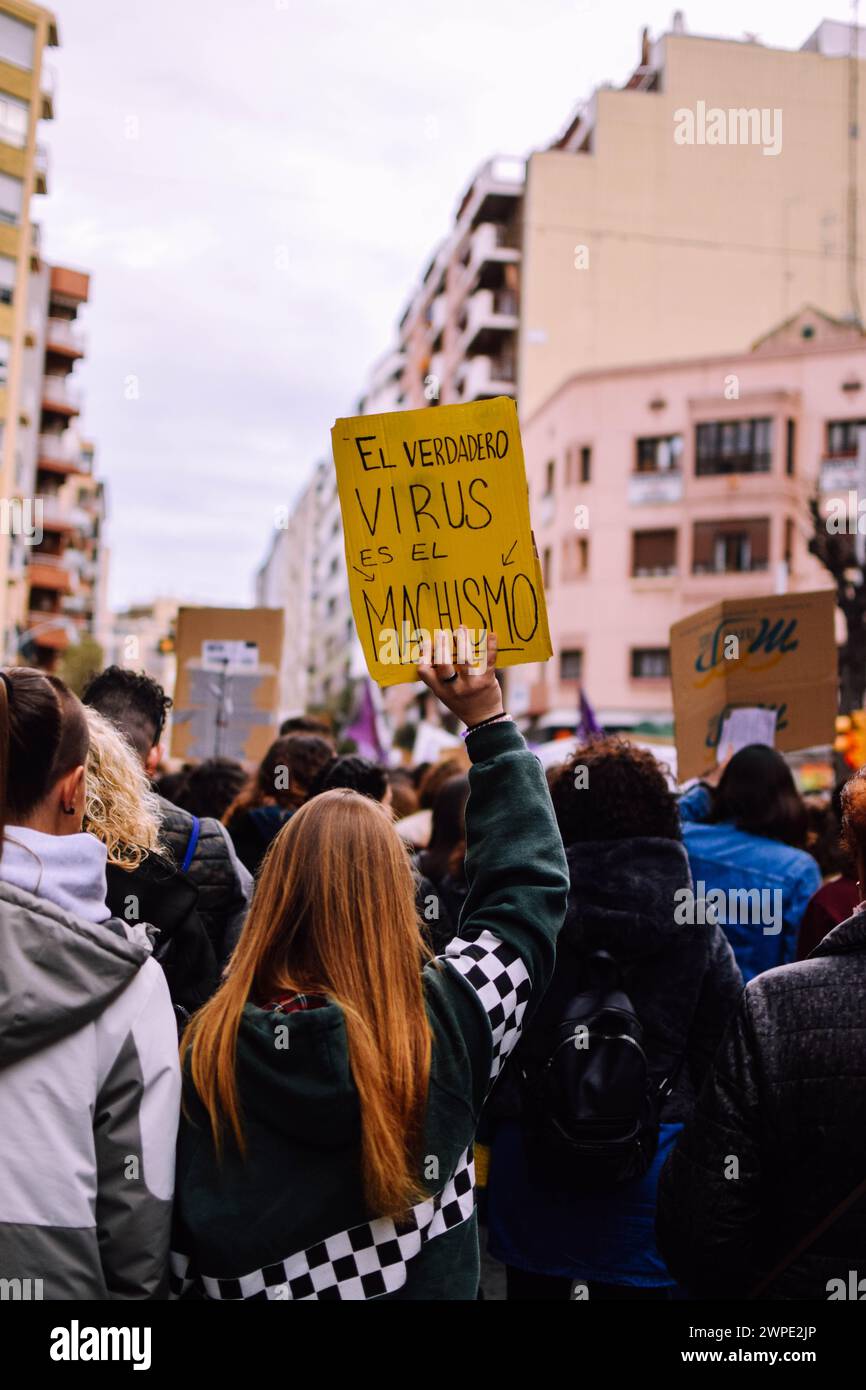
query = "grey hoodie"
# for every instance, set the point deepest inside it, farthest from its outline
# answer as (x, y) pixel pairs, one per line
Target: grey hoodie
(89, 1087)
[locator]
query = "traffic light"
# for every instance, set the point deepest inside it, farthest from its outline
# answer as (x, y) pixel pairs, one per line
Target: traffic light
(165, 645)
(850, 739)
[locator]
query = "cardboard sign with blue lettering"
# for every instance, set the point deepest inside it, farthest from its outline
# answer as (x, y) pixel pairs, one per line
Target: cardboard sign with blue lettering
(437, 536)
(776, 653)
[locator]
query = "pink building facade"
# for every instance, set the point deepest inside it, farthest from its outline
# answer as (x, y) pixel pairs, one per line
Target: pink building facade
(657, 491)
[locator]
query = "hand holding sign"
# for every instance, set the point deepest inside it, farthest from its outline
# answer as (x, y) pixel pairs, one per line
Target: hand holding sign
(472, 697)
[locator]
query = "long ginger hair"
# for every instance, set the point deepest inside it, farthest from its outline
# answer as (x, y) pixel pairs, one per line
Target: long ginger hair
(334, 914)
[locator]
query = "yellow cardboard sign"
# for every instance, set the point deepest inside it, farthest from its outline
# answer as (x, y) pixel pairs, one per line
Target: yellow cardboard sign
(436, 527)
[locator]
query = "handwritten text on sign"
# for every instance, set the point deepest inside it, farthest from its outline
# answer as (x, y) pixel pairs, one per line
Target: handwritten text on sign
(436, 526)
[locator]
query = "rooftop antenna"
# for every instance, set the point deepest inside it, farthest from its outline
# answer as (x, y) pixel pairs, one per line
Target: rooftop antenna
(853, 139)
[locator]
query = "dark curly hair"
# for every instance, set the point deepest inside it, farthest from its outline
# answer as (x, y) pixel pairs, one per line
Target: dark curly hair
(134, 702)
(355, 772)
(285, 774)
(612, 790)
(211, 787)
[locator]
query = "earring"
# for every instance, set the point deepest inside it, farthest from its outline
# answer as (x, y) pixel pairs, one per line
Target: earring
(69, 810)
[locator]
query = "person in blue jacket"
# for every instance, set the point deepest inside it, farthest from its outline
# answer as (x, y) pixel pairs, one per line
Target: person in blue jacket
(744, 839)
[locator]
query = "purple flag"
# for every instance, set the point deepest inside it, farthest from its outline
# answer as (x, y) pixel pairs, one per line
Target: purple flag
(587, 725)
(364, 728)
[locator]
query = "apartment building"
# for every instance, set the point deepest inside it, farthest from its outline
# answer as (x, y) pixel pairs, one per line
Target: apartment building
(656, 490)
(305, 575)
(457, 336)
(285, 580)
(680, 214)
(26, 97)
(57, 580)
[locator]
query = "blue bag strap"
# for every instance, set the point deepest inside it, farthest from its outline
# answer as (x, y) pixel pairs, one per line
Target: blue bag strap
(193, 841)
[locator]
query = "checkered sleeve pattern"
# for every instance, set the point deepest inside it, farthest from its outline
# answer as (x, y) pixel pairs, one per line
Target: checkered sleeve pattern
(181, 1275)
(365, 1262)
(499, 977)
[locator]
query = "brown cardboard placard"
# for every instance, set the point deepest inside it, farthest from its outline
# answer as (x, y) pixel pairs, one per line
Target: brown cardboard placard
(227, 689)
(777, 652)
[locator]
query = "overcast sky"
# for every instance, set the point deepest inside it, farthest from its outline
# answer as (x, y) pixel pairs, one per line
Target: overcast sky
(255, 186)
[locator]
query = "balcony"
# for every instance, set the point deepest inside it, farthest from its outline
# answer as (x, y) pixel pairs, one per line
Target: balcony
(40, 170)
(58, 516)
(494, 191)
(61, 396)
(490, 250)
(49, 91)
(64, 336)
(438, 315)
(69, 287)
(48, 572)
(489, 314)
(654, 489)
(47, 630)
(60, 453)
(482, 377)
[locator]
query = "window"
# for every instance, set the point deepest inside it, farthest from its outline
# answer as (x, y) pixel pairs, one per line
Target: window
(549, 477)
(653, 553)
(790, 446)
(570, 665)
(660, 454)
(585, 463)
(7, 279)
(11, 195)
(575, 557)
(546, 566)
(14, 120)
(731, 547)
(789, 544)
(17, 41)
(650, 663)
(5, 349)
(733, 446)
(842, 437)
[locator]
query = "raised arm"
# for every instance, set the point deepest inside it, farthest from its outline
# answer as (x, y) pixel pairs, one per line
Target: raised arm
(503, 954)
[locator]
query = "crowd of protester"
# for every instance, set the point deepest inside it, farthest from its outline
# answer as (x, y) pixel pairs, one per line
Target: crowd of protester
(286, 1034)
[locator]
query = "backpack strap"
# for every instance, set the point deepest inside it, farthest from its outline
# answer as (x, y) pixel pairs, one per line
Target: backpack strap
(191, 844)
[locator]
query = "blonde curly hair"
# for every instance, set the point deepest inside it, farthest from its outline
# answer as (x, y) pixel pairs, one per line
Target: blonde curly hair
(120, 808)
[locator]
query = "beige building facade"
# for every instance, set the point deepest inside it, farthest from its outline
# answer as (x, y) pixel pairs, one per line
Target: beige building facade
(681, 214)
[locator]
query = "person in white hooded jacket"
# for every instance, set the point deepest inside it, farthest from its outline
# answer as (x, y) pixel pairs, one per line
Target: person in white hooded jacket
(89, 1077)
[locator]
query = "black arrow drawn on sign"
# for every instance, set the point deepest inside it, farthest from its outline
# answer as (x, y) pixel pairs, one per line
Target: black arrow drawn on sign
(370, 578)
(505, 558)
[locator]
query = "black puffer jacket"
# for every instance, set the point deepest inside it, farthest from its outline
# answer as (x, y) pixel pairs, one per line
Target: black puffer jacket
(786, 1099)
(682, 979)
(223, 896)
(160, 896)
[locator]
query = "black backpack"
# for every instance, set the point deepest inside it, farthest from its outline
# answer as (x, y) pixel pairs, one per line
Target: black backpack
(591, 1109)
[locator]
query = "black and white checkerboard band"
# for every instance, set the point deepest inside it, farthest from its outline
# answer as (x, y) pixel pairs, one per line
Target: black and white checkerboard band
(372, 1259)
(365, 1262)
(500, 979)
